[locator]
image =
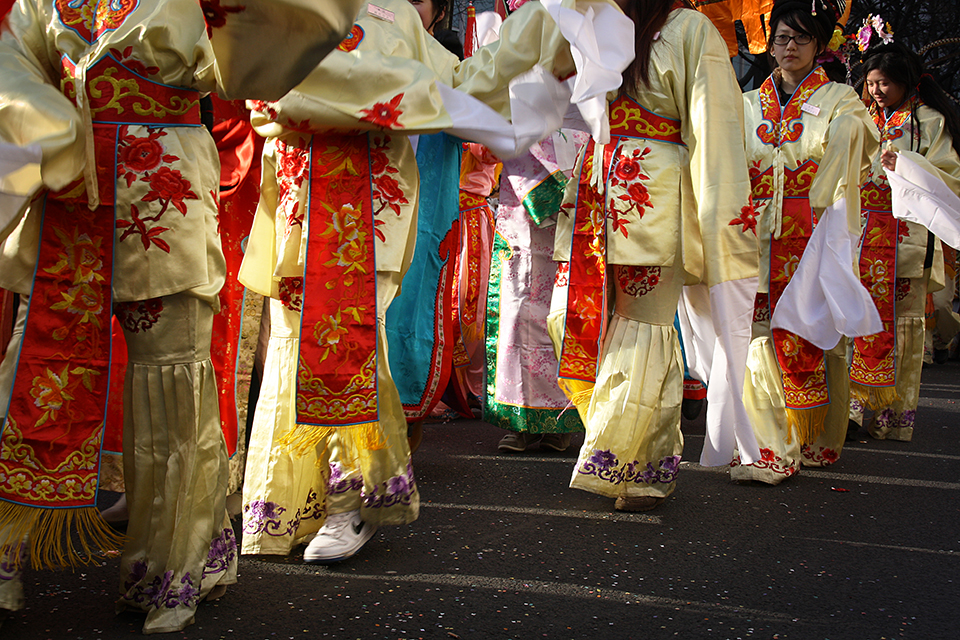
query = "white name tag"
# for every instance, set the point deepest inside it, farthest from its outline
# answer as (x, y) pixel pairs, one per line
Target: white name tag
(379, 12)
(809, 108)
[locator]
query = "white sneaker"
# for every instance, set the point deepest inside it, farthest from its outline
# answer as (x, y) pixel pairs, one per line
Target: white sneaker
(341, 537)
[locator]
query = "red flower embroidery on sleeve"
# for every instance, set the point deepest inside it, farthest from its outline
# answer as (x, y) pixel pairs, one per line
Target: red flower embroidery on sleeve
(215, 15)
(748, 218)
(384, 114)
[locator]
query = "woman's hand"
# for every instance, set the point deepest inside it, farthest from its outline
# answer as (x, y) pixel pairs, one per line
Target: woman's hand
(889, 160)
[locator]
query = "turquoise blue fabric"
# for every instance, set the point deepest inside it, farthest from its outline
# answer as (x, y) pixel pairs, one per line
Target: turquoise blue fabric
(419, 363)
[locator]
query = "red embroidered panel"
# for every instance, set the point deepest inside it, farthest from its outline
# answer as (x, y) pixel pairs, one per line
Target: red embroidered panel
(50, 449)
(629, 119)
(586, 294)
(802, 365)
(874, 356)
(337, 366)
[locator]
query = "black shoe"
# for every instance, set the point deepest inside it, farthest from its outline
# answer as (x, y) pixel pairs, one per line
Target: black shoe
(690, 408)
(940, 356)
(852, 429)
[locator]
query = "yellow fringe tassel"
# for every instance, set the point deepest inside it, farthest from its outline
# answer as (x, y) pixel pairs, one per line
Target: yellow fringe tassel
(470, 332)
(808, 423)
(874, 397)
(579, 393)
(305, 438)
(49, 535)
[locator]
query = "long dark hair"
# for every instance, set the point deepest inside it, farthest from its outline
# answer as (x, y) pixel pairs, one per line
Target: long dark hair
(648, 17)
(904, 67)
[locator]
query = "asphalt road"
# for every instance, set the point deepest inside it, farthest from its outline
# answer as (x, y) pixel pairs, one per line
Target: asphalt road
(866, 549)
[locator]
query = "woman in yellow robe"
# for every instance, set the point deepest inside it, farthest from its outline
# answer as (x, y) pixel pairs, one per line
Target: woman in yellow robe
(340, 171)
(123, 219)
(809, 143)
(916, 119)
(663, 205)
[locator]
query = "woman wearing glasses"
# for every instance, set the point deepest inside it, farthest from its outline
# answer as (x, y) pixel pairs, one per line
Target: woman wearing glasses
(809, 142)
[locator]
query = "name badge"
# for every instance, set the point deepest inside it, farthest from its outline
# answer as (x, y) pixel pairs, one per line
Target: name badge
(809, 108)
(379, 12)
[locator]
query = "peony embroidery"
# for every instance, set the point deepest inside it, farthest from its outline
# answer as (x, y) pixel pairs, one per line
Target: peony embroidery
(384, 114)
(748, 218)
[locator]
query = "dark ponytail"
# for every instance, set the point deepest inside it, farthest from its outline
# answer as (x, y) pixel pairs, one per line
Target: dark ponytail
(648, 17)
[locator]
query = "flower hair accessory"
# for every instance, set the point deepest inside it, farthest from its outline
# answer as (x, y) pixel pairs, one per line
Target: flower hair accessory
(873, 26)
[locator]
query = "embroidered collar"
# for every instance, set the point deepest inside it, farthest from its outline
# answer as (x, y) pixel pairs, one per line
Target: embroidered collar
(782, 123)
(891, 127)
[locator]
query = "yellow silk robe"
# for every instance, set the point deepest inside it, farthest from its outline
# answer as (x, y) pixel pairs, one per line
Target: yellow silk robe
(694, 198)
(174, 47)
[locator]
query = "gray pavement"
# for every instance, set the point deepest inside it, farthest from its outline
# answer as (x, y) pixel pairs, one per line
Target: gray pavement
(865, 549)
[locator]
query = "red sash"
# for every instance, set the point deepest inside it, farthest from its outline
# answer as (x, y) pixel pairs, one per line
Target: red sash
(472, 219)
(586, 298)
(337, 366)
(54, 427)
(873, 369)
(802, 365)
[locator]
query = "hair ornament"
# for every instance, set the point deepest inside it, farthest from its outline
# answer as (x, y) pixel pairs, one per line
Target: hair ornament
(873, 26)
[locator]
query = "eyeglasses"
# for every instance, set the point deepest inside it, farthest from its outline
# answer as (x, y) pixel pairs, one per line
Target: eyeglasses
(801, 39)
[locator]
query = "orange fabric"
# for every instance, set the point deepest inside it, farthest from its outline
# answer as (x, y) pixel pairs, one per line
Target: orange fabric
(754, 14)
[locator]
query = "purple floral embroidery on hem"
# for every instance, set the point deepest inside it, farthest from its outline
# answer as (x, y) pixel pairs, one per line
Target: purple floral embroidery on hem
(605, 465)
(260, 516)
(339, 483)
(11, 561)
(396, 490)
(223, 553)
(888, 419)
(162, 592)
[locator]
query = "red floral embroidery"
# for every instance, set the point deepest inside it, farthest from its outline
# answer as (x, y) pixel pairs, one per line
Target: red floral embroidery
(215, 15)
(637, 281)
(384, 114)
(140, 155)
(562, 279)
(387, 192)
(291, 293)
(132, 63)
(169, 187)
(770, 461)
(145, 157)
(748, 218)
(627, 169)
(139, 227)
(292, 166)
(903, 232)
(822, 455)
(266, 108)
(139, 315)
(628, 173)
